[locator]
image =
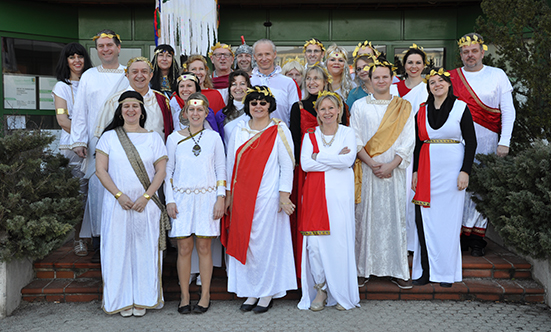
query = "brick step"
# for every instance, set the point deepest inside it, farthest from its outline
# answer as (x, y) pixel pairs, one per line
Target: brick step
(498, 263)
(88, 289)
(498, 276)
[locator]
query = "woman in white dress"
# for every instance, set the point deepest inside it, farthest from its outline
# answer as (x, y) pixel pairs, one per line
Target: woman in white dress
(337, 66)
(414, 90)
(73, 62)
(130, 164)
(328, 273)
(444, 154)
(228, 118)
(195, 203)
(257, 233)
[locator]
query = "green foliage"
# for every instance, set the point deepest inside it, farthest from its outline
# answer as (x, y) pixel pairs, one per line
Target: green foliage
(514, 193)
(521, 31)
(40, 198)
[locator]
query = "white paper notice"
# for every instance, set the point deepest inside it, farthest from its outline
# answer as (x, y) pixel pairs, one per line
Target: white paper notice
(19, 92)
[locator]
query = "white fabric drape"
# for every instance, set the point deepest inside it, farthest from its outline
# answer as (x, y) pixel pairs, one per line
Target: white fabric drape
(190, 26)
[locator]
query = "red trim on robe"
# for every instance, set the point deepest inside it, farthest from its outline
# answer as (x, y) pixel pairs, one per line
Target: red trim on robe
(250, 161)
(180, 101)
(486, 116)
(422, 192)
(314, 219)
(164, 104)
(402, 88)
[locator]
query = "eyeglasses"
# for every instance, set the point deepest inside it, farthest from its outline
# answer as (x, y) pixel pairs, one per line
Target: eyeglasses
(315, 78)
(222, 55)
(312, 51)
(262, 103)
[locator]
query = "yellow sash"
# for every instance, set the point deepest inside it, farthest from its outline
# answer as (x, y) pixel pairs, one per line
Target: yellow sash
(392, 124)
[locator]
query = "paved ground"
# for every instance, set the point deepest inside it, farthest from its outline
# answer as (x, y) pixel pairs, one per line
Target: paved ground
(284, 316)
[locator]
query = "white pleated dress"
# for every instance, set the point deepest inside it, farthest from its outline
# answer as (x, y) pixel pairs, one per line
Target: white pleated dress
(130, 256)
(270, 265)
(442, 220)
(336, 251)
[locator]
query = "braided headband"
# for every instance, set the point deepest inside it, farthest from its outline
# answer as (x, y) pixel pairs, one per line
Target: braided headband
(217, 46)
(108, 35)
(163, 51)
(312, 42)
(130, 100)
(467, 41)
(433, 72)
(187, 77)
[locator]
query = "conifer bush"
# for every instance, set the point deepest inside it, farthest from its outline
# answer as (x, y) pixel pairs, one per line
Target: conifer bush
(40, 200)
(514, 193)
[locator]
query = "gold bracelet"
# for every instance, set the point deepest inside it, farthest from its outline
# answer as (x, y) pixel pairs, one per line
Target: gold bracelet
(117, 195)
(146, 196)
(284, 203)
(61, 111)
(220, 183)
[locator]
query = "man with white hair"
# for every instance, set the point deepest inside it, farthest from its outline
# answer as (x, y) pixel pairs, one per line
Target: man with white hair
(267, 73)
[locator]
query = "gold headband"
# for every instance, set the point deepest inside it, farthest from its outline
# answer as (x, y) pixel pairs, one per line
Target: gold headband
(297, 59)
(217, 46)
(187, 77)
(414, 46)
(377, 63)
(433, 72)
(130, 100)
(369, 55)
(329, 77)
(336, 54)
(329, 93)
(198, 58)
(312, 42)
(362, 45)
(195, 102)
(467, 41)
(163, 51)
(108, 35)
(266, 91)
(138, 59)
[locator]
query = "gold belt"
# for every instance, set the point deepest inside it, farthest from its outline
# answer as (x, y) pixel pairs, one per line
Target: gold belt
(442, 141)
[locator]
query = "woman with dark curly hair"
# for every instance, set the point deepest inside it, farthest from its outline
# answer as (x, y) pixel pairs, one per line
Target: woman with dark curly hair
(257, 233)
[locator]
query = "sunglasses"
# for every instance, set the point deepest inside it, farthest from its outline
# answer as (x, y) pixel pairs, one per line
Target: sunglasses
(262, 103)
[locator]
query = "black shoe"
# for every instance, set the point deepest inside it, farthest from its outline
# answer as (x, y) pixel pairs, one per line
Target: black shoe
(96, 258)
(477, 251)
(200, 310)
(258, 309)
(185, 309)
(445, 285)
(421, 281)
(248, 307)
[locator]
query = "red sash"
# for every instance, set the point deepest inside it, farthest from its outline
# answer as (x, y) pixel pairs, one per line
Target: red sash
(486, 116)
(250, 161)
(180, 101)
(422, 192)
(314, 219)
(402, 88)
(164, 104)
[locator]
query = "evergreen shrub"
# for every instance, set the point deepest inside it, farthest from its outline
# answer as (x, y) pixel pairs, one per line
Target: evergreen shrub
(40, 200)
(514, 193)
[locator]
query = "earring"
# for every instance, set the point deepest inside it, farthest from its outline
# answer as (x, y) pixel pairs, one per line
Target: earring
(120, 117)
(141, 117)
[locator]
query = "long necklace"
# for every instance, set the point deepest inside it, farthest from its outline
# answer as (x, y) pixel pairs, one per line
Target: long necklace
(325, 143)
(196, 148)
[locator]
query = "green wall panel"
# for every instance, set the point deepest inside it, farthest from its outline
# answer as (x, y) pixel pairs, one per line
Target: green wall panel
(143, 24)
(235, 23)
(94, 19)
(39, 19)
(358, 26)
(467, 19)
(292, 25)
(430, 24)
